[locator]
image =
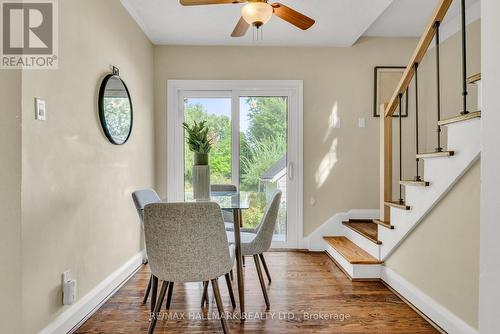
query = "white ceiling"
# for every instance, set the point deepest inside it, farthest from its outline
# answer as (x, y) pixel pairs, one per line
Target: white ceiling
(408, 18)
(338, 22)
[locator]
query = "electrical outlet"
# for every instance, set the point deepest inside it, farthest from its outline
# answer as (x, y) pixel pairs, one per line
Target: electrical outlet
(69, 288)
(66, 276)
(40, 109)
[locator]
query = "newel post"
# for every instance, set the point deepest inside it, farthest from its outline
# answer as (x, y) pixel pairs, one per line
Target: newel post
(385, 163)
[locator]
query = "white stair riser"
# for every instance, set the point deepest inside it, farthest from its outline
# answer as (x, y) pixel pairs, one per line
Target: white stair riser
(366, 271)
(348, 268)
(464, 134)
(370, 247)
(355, 271)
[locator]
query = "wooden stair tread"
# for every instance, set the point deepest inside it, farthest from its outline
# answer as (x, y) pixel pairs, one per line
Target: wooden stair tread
(350, 251)
(397, 205)
(474, 78)
(366, 228)
(414, 183)
(436, 154)
(460, 118)
(386, 224)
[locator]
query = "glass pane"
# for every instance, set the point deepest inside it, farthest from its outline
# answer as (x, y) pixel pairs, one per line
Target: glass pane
(217, 113)
(263, 156)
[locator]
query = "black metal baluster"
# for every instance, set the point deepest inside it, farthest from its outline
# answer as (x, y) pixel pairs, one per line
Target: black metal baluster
(417, 177)
(400, 151)
(464, 60)
(438, 78)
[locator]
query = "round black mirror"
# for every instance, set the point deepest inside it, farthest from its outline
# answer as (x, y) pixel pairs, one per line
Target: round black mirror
(115, 109)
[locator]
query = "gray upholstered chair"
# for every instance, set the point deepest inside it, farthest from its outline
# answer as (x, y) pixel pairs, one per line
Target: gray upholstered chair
(186, 243)
(255, 244)
(230, 188)
(227, 214)
(142, 198)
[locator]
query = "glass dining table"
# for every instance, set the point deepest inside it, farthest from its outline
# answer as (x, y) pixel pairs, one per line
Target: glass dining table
(235, 202)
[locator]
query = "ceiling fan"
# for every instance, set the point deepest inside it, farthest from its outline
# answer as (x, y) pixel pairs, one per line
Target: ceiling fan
(257, 13)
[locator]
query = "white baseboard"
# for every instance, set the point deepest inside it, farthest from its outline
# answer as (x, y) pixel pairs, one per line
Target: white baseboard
(333, 227)
(76, 314)
(425, 304)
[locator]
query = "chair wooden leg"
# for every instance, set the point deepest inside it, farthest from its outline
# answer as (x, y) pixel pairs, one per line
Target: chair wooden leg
(154, 289)
(204, 297)
(243, 260)
(169, 296)
(220, 306)
(230, 289)
(261, 280)
(264, 264)
(148, 289)
(156, 311)
(231, 274)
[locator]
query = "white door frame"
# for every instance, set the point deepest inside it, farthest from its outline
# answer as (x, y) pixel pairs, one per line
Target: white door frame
(292, 89)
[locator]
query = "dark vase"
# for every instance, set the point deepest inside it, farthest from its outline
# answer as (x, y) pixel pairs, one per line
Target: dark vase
(201, 159)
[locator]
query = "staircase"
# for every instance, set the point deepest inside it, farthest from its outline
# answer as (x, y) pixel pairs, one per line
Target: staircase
(361, 246)
(365, 244)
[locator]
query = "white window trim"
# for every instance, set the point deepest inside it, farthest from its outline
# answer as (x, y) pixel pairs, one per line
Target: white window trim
(175, 113)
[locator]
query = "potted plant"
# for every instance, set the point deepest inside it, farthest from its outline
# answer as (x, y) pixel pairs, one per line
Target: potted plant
(200, 144)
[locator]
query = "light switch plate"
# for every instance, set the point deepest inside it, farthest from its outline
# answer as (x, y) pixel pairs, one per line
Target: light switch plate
(361, 123)
(40, 109)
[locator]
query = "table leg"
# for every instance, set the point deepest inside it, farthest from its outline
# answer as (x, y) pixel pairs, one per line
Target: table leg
(239, 262)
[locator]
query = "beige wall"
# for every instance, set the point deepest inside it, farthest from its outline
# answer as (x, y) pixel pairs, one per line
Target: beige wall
(76, 193)
(10, 201)
(335, 80)
(441, 256)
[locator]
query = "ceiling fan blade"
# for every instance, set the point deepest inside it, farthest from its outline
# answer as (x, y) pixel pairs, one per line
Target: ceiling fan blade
(292, 16)
(208, 2)
(241, 28)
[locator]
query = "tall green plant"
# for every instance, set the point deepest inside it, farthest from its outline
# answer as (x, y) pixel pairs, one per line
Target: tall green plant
(197, 137)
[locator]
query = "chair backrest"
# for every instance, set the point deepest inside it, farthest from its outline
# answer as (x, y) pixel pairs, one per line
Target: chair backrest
(142, 198)
(223, 188)
(186, 242)
(262, 241)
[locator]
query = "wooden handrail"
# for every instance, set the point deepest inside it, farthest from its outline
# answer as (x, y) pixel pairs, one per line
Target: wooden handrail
(418, 55)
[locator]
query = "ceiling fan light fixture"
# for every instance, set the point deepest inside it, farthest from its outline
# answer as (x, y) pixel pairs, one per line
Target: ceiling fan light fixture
(257, 13)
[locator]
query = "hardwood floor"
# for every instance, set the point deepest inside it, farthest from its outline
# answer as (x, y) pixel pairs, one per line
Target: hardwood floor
(303, 284)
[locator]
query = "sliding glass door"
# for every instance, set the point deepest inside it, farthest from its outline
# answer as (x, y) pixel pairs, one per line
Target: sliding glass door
(263, 133)
(256, 147)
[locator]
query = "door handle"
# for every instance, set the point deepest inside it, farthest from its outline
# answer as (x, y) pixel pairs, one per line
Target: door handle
(290, 171)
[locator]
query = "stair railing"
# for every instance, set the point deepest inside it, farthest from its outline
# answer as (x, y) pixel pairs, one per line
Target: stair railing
(388, 110)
